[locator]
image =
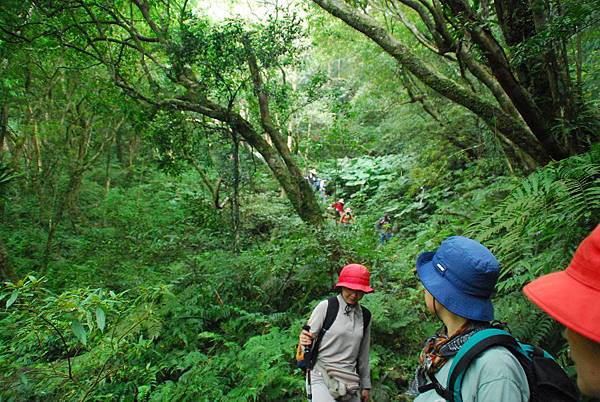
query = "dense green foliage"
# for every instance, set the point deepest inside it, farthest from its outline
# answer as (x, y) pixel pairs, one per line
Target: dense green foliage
(151, 252)
(151, 303)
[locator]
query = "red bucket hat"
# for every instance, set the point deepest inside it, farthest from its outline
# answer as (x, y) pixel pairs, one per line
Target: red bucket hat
(572, 296)
(355, 277)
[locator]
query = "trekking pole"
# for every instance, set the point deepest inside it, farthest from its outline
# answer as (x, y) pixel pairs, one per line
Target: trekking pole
(307, 360)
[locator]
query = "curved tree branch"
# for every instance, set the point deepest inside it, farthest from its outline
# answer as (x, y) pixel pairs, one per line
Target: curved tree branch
(492, 115)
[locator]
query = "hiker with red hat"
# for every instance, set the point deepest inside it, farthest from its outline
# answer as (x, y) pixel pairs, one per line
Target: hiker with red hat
(338, 207)
(339, 334)
(572, 297)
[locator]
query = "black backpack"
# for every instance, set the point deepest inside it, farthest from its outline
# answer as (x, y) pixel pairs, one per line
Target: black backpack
(333, 305)
(547, 380)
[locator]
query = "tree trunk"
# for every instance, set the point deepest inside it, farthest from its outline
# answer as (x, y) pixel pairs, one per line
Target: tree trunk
(579, 64)
(235, 202)
(107, 172)
(132, 151)
(546, 75)
(464, 55)
(213, 188)
(494, 117)
(292, 181)
(6, 271)
(63, 203)
(522, 99)
(119, 148)
(3, 125)
(518, 24)
(303, 194)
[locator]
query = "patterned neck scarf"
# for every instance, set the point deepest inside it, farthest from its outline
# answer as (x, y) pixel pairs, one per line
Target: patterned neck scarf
(439, 348)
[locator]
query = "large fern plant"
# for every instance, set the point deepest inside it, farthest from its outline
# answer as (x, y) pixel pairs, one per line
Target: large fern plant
(534, 231)
(536, 228)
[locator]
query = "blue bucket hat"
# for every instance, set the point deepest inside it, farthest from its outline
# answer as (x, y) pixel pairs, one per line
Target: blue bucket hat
(461, 274)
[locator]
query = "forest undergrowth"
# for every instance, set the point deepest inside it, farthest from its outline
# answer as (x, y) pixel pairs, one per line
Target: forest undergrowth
(145, 299)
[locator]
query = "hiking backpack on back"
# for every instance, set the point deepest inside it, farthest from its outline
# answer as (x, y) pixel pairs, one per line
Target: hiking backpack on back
(547, 380)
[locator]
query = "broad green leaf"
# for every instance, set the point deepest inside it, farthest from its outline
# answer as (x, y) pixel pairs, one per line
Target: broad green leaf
(100, 318)
(79, 331)
(12, 299)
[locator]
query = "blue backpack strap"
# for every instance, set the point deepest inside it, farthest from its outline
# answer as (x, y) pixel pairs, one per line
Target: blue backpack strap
(475, 345)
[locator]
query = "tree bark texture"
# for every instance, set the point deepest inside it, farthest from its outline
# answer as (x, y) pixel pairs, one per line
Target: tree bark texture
(522, 99)
(6, 271)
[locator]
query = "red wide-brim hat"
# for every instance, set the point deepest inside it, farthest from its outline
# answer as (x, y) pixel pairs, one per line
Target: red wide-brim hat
(572, 296)
(355, 277)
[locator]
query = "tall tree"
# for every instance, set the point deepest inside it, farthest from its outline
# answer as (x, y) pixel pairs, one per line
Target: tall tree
(6, 176)
(164, 56)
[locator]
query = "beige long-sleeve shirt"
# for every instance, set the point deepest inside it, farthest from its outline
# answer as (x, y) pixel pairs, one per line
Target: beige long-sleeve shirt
(344, 352)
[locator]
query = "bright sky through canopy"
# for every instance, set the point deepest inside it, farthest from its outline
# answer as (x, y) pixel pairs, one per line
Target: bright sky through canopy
(252, 10)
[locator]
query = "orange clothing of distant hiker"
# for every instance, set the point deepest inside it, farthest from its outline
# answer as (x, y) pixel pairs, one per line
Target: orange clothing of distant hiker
(347, 217)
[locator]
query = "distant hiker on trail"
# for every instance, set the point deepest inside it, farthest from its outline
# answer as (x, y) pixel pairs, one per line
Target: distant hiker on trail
(322, 189)
(339, 332)
(459, 278)
(572, 297)
(313, 179)
(338, 206)
(384, 228)
(347, 217)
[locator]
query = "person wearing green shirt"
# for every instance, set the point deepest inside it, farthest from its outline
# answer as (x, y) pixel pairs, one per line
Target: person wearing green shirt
(458, 280)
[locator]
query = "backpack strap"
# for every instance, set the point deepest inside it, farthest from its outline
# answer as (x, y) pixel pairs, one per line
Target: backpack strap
(366, 319)
(333, 305)
(475, 345)
(439, 388)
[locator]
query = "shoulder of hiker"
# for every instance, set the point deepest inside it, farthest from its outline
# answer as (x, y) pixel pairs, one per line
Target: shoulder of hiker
(318, 316)
(497, 360)
(496, 373)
